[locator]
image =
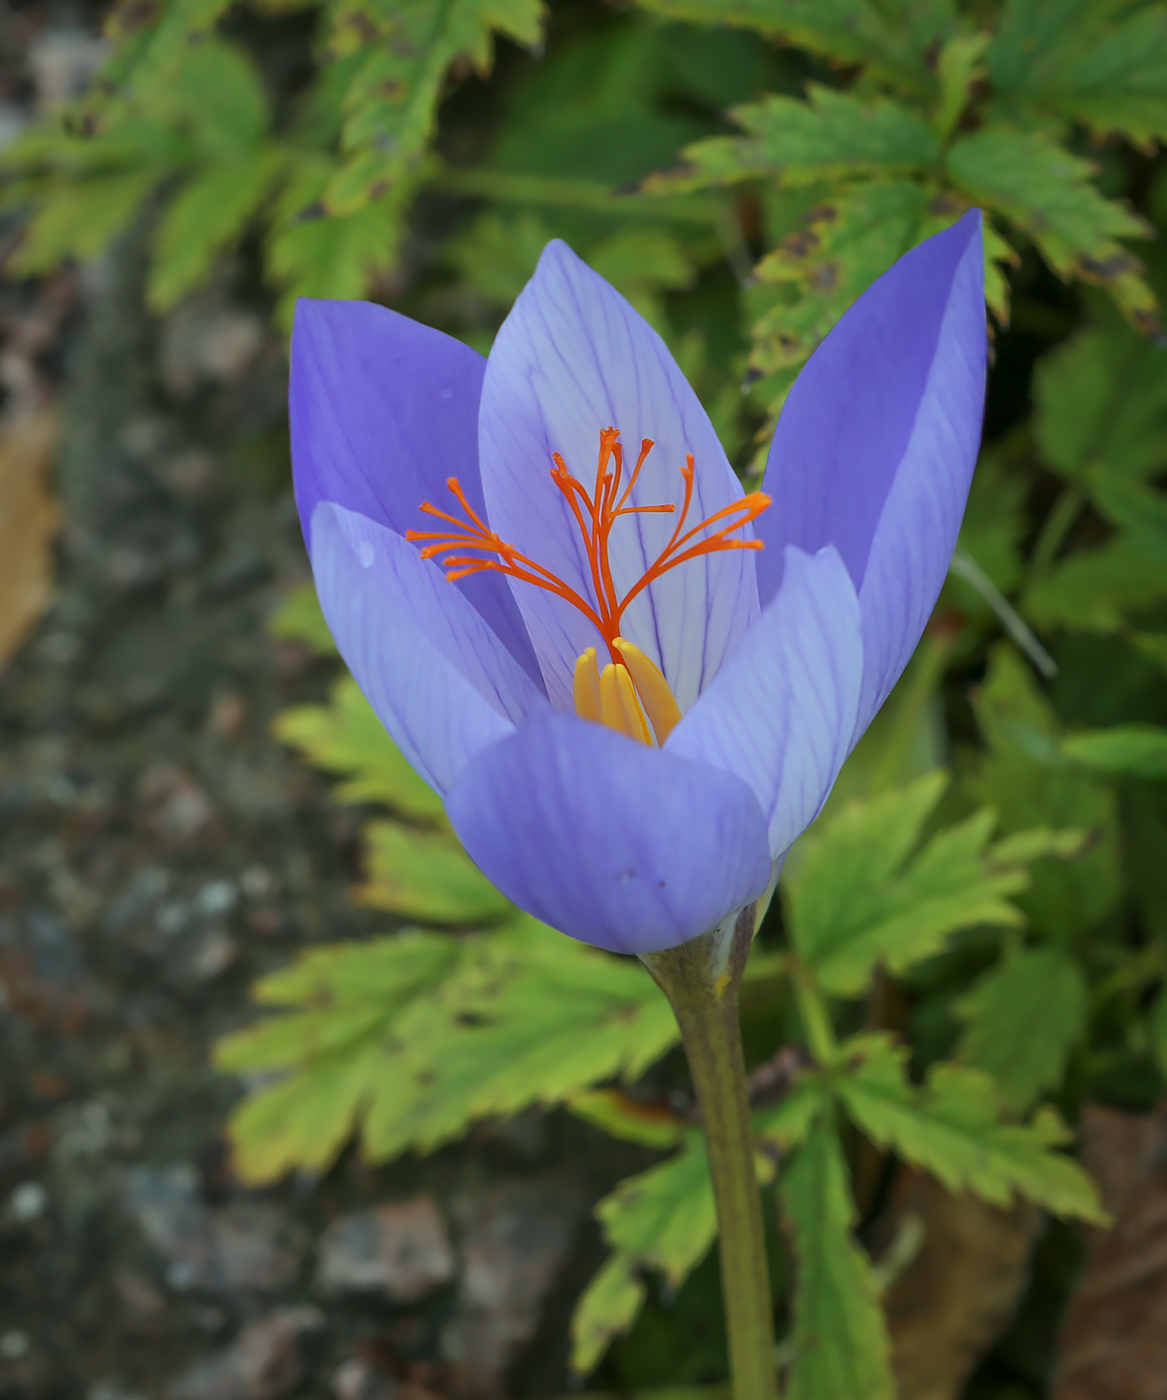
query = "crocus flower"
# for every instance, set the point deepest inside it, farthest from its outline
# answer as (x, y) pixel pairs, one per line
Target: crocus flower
(632, 684)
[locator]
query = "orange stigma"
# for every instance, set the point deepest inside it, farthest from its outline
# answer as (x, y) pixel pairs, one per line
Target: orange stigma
(595, 513)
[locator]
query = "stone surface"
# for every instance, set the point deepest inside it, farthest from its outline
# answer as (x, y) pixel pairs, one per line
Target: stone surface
(401, 1249)
(515, 1237)
(264, 1362)
(241, 1247)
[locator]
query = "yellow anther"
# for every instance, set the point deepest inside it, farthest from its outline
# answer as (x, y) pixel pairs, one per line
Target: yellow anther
(651, 687)
(586, 686)
(619, 707)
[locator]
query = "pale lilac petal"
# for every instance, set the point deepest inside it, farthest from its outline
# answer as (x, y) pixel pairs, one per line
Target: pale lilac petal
(441, 682)
(781, 712)
(876, 445)
(383, 411)
(573, 357)
(622, 846)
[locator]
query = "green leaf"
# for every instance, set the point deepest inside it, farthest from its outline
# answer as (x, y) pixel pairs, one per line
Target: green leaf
(1046, 192)
(665, 1217)
(1119, 83)
(209, 212)
(951, 1128)
(831, 135)
(1022, 1020)
(402, 55)
(1071, 59)
(892, 39)
(840, 1340)
(426, 875)
(856, 900)
(1137, 749)
(1027, 780)
(1094, 589)
(1100, 404)
(608, 1306)
(842, 246)
(958, 67)
(346, 737)
(78, 218)
(215, 94)
(313, 254)
(435, 1033)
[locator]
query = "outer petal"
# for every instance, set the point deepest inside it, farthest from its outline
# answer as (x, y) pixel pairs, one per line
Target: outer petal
(573, 357)
(383, 411)
(439, 679)
(618, 845)
(781, 712)
(876, 445)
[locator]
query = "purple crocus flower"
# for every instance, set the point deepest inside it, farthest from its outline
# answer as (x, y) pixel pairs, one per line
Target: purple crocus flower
(632, 684)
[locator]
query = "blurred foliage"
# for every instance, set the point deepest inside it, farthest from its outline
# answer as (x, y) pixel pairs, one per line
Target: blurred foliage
(971, 943)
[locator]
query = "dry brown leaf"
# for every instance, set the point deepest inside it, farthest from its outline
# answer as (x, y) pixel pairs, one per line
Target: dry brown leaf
(1114, 1337)
(958, 1293)
(29, 518)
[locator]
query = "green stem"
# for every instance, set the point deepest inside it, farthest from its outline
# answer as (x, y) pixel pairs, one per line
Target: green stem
(816, 1020)
(1058, 524)
(701, 980)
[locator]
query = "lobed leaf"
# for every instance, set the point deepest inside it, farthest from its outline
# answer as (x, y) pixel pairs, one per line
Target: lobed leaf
(951, 1128)
(1022, 1020)
(893, 40)
(426, 875)
(437, 1033)
(1100, 404)
(860, 898)
(839, 1337)
(607, 1307)
(830, 135)
(1043, 190)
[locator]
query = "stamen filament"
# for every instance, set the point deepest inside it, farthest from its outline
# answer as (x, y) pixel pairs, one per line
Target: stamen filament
(594, 514)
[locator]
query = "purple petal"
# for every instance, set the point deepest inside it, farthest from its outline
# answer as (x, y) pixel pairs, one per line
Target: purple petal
(383, 411)
(876, 445)
(441, 682)
(573, 357)
(616, 844)
(781, 712)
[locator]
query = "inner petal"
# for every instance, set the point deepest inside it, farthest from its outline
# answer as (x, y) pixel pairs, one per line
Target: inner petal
(572, 358)
(632, 686)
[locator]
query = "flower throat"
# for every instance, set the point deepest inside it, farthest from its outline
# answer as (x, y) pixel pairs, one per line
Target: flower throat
(630, 693)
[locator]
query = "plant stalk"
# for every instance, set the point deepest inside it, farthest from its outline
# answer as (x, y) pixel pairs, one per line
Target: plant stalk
(701, 980)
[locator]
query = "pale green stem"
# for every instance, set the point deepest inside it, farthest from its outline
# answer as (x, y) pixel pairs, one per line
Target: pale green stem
(816, 1021)
(701, 980)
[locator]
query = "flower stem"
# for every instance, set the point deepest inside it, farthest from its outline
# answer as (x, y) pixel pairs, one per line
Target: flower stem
(701, 980)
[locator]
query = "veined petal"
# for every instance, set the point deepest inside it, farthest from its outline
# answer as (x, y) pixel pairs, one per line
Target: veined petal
(440, 680)
(573, 357)
(781, 712)
(876, 445)
(383, 411)
(621, 846)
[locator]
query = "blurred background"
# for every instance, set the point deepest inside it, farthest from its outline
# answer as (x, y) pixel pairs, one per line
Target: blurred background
(382, 1182)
